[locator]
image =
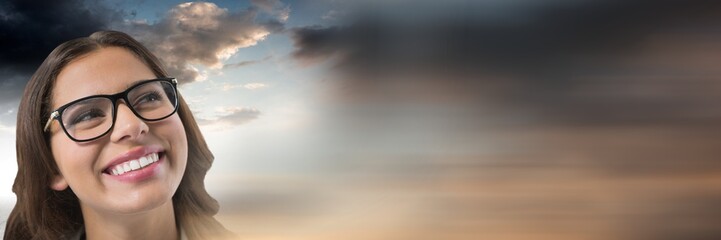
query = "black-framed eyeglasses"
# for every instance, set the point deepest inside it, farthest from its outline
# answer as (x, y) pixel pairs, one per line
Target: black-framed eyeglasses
(92, 117)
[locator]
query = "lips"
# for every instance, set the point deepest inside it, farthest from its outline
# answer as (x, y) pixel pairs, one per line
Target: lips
(133, 160)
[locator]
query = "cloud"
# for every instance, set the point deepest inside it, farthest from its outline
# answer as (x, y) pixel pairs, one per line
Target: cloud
(228, 117)
(201, 33)
(266, 5)
(249, 86)
(245, 63)
(333, 15)
(274, 7)
(12, 85)
(253, 86)
(7, 129)
(8, 113)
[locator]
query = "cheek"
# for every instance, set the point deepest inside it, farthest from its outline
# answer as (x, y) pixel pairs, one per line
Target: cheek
(173, 132)
(178, 131)
(72, 158)
(62, 152)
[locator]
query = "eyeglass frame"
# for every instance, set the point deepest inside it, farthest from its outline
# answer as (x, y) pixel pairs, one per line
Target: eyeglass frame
(56, 114)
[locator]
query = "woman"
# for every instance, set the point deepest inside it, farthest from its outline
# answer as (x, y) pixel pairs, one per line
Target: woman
(108, 149)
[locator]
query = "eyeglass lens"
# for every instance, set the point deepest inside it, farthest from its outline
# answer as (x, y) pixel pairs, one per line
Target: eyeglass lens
(93, 117)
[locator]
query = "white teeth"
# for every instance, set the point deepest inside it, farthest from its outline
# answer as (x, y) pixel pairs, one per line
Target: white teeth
(119, 169)
(134, 164)
(144, 161)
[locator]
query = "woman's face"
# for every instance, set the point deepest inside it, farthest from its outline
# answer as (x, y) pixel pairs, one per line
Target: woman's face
(87, 167)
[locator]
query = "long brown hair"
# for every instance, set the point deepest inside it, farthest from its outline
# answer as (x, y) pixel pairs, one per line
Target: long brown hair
(43, 213)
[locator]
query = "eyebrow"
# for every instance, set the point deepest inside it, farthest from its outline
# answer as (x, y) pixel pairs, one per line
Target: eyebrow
(130, 84)
(139, 80)
(126, 87)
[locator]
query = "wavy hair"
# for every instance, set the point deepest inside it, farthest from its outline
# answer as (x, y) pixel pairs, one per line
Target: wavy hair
(43, 213)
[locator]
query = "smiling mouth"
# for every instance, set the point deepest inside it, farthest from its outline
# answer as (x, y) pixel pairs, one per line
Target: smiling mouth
(133, 165)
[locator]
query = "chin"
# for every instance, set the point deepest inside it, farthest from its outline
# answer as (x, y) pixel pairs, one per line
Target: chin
(139, 202)
(140, 207)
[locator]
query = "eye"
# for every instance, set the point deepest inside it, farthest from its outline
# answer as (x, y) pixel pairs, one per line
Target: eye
(149, 97)
(88, 115)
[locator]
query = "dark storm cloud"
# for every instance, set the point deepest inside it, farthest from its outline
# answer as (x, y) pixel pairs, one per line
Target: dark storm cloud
(529, 37)
(316, 43)
(578, 61)
(30, 30)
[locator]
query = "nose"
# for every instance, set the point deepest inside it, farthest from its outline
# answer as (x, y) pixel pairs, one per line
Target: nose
(128, 127)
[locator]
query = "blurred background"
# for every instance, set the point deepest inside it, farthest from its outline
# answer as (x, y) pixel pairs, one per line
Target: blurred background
(516, 119)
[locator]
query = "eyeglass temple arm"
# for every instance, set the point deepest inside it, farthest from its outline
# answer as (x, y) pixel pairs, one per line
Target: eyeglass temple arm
(50, 120)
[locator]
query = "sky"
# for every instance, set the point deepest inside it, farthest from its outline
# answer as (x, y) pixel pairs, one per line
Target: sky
(336, 119)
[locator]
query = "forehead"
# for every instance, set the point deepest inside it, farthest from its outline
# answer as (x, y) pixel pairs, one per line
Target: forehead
(104, 71)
